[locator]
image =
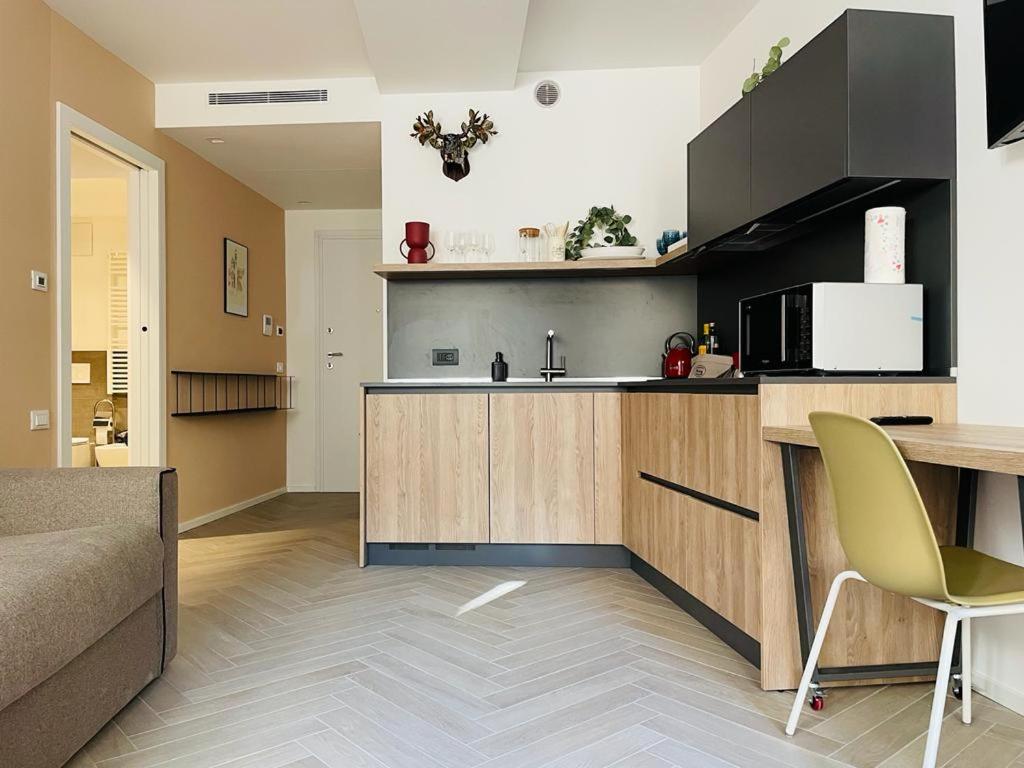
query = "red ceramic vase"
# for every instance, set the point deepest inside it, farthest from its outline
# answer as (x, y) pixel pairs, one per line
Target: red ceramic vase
(417, 238)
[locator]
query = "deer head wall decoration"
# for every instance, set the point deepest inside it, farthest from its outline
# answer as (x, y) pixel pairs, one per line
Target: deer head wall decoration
(454, 147)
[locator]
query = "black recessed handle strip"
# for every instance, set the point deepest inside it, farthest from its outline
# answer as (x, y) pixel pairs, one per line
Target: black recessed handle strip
(712, 500)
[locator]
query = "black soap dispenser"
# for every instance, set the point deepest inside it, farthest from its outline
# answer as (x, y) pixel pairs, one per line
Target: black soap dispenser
(499, 368)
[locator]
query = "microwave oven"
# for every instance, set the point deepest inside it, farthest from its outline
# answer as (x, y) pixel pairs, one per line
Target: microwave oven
(834, 328)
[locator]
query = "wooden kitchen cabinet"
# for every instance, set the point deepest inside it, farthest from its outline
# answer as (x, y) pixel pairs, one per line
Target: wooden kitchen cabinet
(426, 468)
(709, 443)
(607, 468)
(542, 468)
(679, 449)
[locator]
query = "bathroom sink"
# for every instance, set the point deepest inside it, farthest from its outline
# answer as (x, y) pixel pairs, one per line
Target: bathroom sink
(114, 455)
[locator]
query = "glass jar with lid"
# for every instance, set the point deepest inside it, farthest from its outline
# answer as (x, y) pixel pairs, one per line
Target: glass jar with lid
(529, 244)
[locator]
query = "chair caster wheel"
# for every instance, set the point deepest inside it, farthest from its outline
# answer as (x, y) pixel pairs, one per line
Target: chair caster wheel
(817, 702)
(957, 687)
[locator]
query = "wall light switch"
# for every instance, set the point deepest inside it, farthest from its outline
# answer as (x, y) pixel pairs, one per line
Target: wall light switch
(38, 420)
(280, 367)
(40, 281)
(268, 325)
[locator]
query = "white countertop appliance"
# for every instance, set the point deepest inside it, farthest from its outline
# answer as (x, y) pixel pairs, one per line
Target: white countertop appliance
(834, 328)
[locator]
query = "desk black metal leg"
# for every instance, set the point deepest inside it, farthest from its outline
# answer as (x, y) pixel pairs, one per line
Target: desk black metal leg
(798, 548)
(966, 507)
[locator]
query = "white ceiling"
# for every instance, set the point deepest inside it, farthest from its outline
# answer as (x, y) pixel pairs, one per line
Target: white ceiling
(443, 45)
(334, 165)
(191, 41)
(614, 34)
(410, 46)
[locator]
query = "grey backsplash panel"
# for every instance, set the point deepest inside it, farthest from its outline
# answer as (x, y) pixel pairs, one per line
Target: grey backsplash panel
(605, 326)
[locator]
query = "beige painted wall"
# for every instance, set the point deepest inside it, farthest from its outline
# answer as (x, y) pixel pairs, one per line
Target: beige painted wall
(221, 460)
(25, 210)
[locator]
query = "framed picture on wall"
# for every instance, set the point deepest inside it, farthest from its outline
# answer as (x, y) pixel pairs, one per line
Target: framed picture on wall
(236, 278)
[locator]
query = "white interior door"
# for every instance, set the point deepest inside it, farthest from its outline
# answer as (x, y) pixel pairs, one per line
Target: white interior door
(350, 349)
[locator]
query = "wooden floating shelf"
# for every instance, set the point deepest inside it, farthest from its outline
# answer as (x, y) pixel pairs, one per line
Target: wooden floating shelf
(672, 263)
(212, 393)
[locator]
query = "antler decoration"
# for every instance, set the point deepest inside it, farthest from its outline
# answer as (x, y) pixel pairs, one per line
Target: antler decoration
(425, 129)
(454, 147)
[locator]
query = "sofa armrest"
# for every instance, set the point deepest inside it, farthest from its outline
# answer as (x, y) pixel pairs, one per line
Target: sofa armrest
(43, 500)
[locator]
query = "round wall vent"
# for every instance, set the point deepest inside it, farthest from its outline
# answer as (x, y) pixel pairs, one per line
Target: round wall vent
(547, 93)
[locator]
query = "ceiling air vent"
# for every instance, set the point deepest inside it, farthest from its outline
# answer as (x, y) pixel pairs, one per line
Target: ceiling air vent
(269, 97)
(547, 93)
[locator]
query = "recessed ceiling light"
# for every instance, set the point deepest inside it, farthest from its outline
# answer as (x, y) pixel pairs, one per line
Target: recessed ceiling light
(304, 202)
(215, 140)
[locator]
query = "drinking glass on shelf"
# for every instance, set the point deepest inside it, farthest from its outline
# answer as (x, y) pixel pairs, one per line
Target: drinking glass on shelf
(461, 244)
(474, 246)
(450, 244)
(488, 245)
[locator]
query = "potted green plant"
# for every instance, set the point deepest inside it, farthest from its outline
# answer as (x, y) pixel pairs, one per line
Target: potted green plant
(773, 63)
(603, 227)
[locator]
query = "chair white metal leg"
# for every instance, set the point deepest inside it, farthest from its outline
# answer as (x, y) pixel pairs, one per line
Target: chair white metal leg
(931, 747)
(965, 669)
(819, 639)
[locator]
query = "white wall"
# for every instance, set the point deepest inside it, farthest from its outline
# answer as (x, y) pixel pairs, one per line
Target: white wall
(103, 204)
(300, 268)
(617, 137)
(990, 270)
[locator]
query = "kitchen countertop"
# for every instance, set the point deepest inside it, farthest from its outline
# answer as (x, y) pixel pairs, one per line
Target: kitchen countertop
(747, 385)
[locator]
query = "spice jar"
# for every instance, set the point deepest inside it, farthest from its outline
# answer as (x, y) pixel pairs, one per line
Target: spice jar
(529, 244)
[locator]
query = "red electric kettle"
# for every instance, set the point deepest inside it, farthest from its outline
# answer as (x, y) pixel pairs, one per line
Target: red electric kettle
(678, 358)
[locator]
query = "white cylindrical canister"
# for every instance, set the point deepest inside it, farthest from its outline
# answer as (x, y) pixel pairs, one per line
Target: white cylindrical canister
(884, 237)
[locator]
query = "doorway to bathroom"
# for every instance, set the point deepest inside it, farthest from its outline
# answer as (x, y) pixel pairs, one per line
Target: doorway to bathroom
(99, 307)
(110, 301)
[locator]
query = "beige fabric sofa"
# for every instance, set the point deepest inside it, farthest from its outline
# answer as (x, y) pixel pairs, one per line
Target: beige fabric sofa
(88, 602)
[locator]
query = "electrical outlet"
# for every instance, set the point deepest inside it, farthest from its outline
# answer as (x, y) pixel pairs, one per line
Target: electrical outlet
(445, 356)
(280, 330)
(280, 367)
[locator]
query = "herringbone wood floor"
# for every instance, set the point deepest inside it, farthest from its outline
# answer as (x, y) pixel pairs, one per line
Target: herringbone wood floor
(290, 656)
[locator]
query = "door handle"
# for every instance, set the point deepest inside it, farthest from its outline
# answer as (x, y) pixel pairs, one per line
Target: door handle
(335, 354)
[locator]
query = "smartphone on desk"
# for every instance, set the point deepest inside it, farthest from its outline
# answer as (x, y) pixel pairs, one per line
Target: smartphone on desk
(902, 421)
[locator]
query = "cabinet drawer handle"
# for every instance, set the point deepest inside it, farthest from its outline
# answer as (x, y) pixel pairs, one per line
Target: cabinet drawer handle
(713, 501)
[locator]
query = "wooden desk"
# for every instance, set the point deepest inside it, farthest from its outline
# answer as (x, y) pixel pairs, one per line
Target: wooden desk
(970, 448)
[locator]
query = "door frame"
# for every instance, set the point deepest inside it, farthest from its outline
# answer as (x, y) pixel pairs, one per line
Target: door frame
(147, 380)
(320, 237)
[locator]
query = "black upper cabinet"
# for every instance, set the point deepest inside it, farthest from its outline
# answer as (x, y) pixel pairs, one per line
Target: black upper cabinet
(868, 101)
(718, 171)
(798, 125)
(902, 114)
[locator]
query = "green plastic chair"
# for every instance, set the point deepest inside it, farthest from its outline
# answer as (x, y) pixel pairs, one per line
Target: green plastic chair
(888, 539)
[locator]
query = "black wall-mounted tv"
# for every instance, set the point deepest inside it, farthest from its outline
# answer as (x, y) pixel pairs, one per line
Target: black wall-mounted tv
(1004, 33)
